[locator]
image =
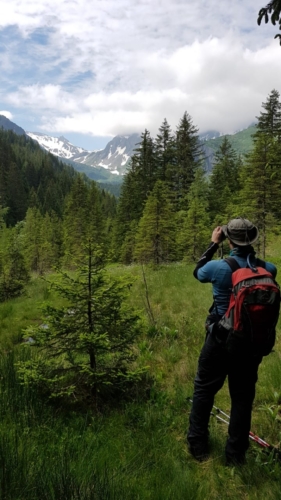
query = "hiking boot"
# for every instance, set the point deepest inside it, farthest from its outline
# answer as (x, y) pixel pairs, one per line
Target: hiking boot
(234, 460)
(199, 451)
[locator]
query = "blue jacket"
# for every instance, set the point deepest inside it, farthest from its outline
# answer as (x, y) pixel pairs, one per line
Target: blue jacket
(218, 272)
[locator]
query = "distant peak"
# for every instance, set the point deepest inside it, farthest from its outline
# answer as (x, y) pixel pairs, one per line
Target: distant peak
(62, 138)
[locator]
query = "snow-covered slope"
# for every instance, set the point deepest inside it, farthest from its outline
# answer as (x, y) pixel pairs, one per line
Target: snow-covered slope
(59, 146)
(113, 157)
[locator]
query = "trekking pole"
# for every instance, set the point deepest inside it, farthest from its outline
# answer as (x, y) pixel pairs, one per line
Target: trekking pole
(252, 436)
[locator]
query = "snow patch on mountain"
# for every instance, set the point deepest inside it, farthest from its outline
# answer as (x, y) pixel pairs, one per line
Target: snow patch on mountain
(58, 146)
(114, 157)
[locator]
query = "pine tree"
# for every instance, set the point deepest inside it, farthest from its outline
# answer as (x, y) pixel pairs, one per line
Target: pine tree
(165, 151)
(224, 180)
(194, 234)
(14, 274)
(96, 218)
(129, 210)
(86, 345)
(155, 238)
(188, 159)
(144, 166)
(261, 186)
(137, 184)
(269, 120)
(33, 238)
(75, 221)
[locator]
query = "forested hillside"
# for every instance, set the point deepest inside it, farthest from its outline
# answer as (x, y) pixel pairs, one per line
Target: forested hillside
(168, 205)
(30, 177)
(47, 212)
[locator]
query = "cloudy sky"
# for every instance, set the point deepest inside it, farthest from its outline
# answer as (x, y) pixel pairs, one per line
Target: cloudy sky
(92, 69)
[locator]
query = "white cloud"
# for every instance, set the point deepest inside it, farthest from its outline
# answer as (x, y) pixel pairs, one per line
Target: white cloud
(103, 67)
(7, 114)
(218, 82)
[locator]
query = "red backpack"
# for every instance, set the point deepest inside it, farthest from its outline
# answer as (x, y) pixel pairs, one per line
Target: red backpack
(253, 310)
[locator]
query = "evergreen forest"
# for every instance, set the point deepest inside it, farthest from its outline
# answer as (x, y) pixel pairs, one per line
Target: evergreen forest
(102, 322)
(167, 203)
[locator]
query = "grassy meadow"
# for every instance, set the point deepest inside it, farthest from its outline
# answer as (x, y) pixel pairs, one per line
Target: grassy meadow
(136, 450)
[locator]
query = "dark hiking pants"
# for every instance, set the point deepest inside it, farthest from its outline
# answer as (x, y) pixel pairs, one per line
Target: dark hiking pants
(214, 365)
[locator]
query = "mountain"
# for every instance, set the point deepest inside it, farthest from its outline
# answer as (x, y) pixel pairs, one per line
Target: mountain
(108, 165)
(59, 146)
(6, 124)
(29, 176)
(210, 134)
(114, 157)
(241, 142)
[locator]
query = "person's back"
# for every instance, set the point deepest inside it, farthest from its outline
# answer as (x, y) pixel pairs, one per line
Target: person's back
(215, 362)
(219, 273)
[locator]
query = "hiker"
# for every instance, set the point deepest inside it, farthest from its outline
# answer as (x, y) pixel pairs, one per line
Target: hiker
(216, 361)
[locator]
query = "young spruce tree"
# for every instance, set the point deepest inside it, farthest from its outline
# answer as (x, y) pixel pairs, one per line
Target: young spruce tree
(155, 238)
(85, 348)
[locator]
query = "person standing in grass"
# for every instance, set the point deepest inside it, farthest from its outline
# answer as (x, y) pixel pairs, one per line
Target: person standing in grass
(215, 361)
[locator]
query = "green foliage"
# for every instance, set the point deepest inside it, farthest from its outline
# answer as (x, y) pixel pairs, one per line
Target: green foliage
(188, 159)
(224, 180)
(261, 182)
(137, 450)
(172, 159)
(28, 175)
(40, 237)
(156, 232)
(241, 142)
(269, 121)
(165, 149)
(85, 214)
(85, 347)
(193, 232)
(14, 275)
(274, 9)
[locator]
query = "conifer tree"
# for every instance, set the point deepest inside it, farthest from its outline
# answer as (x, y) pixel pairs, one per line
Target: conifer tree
(194, 234)
(261, 186)
(188, 159)
(33, 238)
(224, 180)
(269, 120)
(85, 348)
(144, 166)
(52, 241)
(75, 224)
(261, 175)
(129, 210)
(165, 151)
(137, 184)
(14, 274)
(96, 218)
(155, 238)
(128, 245)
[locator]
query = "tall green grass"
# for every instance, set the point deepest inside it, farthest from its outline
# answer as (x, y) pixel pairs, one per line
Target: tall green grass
(138, 450)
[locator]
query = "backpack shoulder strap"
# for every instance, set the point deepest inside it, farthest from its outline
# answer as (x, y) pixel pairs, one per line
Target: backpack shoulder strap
(233, 264)
(261, 263)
